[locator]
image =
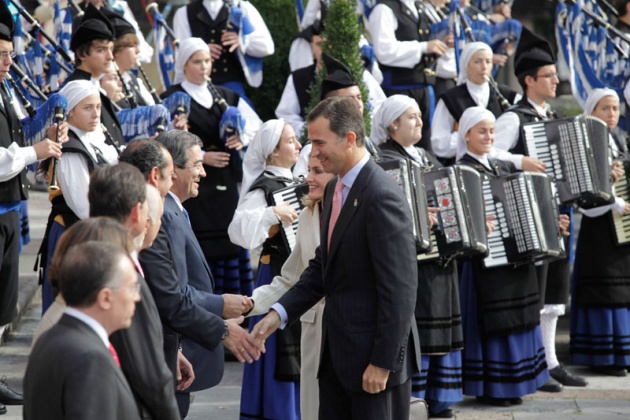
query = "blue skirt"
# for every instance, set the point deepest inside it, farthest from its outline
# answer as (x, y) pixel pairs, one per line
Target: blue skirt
(507, 366)
(53, 239)
(233, 275)
(599, 336)
(262, 396)
(440, 381)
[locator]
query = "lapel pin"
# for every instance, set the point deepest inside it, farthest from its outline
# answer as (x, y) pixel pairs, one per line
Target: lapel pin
(356, 202)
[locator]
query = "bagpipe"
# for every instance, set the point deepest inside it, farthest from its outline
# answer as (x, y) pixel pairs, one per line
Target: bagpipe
(594, 51)
(240, 24)
(231, 121)
(178, 103)
(164, 36)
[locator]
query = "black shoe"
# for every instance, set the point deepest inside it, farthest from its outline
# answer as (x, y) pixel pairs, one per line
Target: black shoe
(560, 374)
(610, 371)
(497, 402)
(3, 409)
(7, 395)
(551, 386)
(516, 401)
(444, 414)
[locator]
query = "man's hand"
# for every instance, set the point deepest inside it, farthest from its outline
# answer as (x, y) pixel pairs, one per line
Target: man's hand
(240, 343)
(47, 148)
(235, 305)
(533, 165)
(436, 47)
(499, 59)
(490, 225)
(216, 159)
(564, 224)
(185, 372)
(375, 379)
(234, 142)
(215, 51)
(265, 327)
(51, 133)
(617, 171)
(432, 216)
(230, 39)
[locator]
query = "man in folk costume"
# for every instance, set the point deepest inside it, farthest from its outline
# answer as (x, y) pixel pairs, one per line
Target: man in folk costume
(535, 69)
(15, 156)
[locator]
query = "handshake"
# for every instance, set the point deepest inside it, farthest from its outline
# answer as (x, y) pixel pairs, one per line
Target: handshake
(245, 346)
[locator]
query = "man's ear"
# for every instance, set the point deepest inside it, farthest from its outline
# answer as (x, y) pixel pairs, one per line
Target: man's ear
(154, 176)
(351, 137)
(103, 298)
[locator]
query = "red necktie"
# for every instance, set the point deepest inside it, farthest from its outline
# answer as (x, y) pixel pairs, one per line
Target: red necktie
(336, 209)
(112, 350)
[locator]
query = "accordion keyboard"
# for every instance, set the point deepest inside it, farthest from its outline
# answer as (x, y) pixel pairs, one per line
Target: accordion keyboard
(293, 198)
(497, 254)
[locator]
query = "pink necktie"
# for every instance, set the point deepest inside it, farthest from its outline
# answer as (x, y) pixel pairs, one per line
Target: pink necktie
(336, 209)
(112, 350)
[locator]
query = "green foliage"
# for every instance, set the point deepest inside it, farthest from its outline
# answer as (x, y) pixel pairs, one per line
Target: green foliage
(342, 33)
(280, 17)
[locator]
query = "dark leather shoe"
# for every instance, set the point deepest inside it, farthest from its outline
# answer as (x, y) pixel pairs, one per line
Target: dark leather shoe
(551, 386)
(3, 409)
(444, 414)
(560, 374)
(610, 371)
(516, 401)
(497, 402)
(7, 395)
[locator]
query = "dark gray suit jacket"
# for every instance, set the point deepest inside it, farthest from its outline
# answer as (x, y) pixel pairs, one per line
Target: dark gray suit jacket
(369, 280)
(197, 283)
(71, 375)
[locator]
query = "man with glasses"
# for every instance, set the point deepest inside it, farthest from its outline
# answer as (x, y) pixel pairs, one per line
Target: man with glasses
(120, 192)
(72, 370)
(14, 158)
(92, 44)
(535, 69)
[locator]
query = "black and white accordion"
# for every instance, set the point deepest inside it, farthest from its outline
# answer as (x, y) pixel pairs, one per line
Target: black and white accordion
(576, 154)
(291, 195)
(461, 227)
(526, 219)
(409, 177)
(622, 222)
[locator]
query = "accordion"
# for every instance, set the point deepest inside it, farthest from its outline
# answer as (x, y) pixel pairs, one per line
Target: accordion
(575, 152)
(461, 227)
(291, 195)
(409, 177)
(526, 219)
(622, 223)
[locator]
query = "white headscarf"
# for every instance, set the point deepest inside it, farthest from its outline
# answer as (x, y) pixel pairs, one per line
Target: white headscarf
(595, 96)
(78, 90)
(389, 111)
(259, 149)
(471, 117)
(186, 49)
(467, 53)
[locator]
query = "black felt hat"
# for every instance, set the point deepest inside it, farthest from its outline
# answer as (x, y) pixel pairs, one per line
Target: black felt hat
(339, 76)
(93, 25)
(121, 25)
(532, 52)
(7, 24)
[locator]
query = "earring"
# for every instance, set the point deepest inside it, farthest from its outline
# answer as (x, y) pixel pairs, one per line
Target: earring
(395, 127)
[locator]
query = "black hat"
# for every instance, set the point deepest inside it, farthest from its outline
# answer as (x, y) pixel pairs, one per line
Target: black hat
(532, 52)
(339, 76)
(93, 25)
(7, 24)
(121, 25)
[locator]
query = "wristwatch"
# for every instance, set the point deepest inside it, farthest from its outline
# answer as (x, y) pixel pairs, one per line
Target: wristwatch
(226, 332)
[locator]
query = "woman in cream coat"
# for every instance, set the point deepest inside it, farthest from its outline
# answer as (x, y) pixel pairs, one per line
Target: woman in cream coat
(307, 241)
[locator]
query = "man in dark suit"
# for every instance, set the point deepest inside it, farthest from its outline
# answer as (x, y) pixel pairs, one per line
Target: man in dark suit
(366, 268)
(72, 372)
(119, 192)
(179, 276)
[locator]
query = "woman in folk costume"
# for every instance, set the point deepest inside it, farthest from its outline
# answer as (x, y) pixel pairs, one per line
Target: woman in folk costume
(472, 90)
(504, 356)
(397, 126)
(85, 149)
(270, 385)
(306, 242)
(600, 297)
(211, 212)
